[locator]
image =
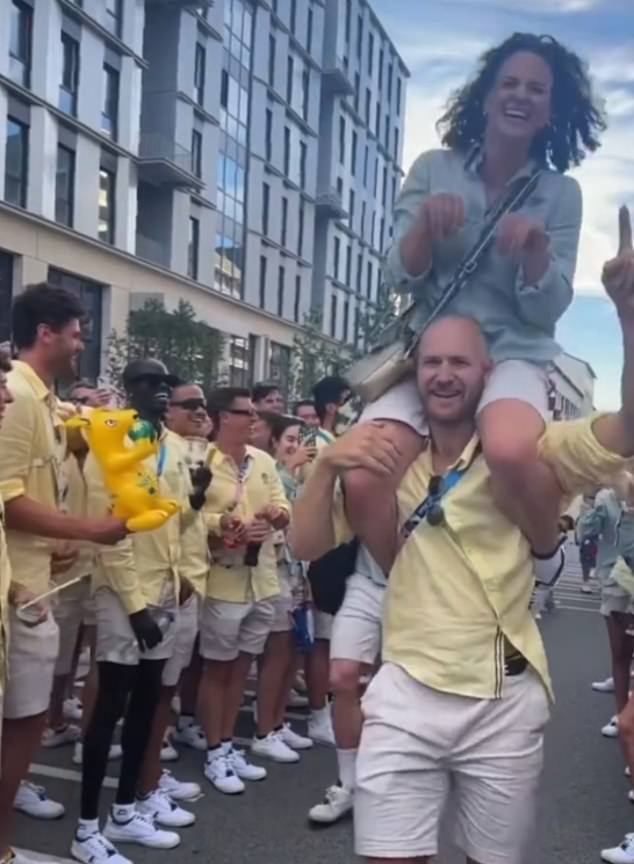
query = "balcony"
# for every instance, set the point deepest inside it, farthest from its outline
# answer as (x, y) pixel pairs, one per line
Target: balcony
(329, 205)
(163, 161)
(334, 80)
(151, 250)
(183, 4)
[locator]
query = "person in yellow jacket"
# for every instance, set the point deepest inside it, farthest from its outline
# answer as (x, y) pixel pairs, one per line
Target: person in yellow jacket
(5, 567)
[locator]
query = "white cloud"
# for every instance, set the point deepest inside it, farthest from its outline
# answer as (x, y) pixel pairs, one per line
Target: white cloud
(534, 7)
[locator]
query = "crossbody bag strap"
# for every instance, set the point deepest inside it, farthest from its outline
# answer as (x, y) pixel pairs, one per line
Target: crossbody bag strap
(472, 260)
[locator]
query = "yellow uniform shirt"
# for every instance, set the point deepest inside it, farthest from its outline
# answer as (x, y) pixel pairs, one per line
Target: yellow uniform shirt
(143, 568)
(75, 503)
(194, 559)
(5, 581)
(457, 591)
(32, 456)
(229, 579)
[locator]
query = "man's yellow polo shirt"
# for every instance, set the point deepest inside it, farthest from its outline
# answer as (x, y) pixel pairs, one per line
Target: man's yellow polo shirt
(5, 582)
(143, 569)
(32, 457)
(458, 591)
(194, 552)
(229, 579)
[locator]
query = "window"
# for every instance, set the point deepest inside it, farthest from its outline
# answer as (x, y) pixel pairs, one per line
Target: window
(290, 72)
(353, 155)
(366, 160)
(197, 151)
(370, 53)
(192, 249)
(268, 140)
(346, 319)
(348, 264)
(351, 203)
(377, 120)
(363, 215)
(293, 16)
(113, 16)
(305, 93)
(368, 106)
(284, 221)
(382, 235)
(272, 60)
(70, 74)
(263, 264)
(357, 323)
(335, 261)
(376, 176)
(348, 19)
(64, 186)
(370, 277)
(390, 75)
(105, 230)
(224, 88)
(359, 271)
(357, 89)
(339, 187)
(309, 31)
(199, 74)
(16, 162)
(266, 203)
(399, 86)
(110, 108)
(394, 191)
(20, 35)
(381, 63)
(90, 295)
(6, 295)
(384, 187)
(298, 297)
(303, 153)
(300, 228)
(287, 151)
(359, 36)
(281, 278)
(396, 145)
(342, 140)
(387, 131)
(333, 316)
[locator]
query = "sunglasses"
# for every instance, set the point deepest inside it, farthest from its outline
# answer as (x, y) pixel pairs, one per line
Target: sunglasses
(190, 404)
(435, 513)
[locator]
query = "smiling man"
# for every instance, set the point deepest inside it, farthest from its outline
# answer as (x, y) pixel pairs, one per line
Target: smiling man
(462, 698)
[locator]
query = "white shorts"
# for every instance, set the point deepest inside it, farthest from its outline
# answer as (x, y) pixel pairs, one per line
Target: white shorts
(283, 603)
(323, 625)
(509, 379)
(356, 630)
(419, 744)
(116, 642)
(69, 611)
(186, 633)
(30, 667)
(228, 629)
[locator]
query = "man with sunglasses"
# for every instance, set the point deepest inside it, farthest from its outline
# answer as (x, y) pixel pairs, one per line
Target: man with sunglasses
(462, 698)
(245, 505)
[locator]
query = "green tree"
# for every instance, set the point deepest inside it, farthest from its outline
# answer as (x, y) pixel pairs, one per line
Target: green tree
(313, 356)
(188, 347)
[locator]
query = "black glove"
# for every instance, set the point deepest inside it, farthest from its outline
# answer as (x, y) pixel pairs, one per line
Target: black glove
(148, 633)
(201, 478)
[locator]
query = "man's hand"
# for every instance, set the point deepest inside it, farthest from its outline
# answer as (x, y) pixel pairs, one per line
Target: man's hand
(186, 591)
(275, 516)
(106, 532)
(442, 216)
(63, 558)
(618, 274)
(19, 596)
(233, 529)
(366, 445)
(257, 531)
(148, 633)
(520, 236)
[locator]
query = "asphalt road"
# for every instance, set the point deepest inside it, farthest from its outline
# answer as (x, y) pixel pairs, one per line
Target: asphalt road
(584, 803)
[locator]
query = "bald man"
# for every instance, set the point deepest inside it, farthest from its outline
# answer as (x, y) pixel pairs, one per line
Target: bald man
(463, 696)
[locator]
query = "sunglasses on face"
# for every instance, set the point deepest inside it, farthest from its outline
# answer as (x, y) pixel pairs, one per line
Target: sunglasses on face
(190, 404)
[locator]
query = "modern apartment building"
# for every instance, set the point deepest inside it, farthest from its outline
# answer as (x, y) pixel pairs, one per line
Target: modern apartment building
(240, 155)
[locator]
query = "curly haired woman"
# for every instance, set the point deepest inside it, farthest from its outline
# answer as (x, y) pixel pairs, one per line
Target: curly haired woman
(530, 108)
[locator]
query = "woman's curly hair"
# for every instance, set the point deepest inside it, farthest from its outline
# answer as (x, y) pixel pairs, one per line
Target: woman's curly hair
(577, 116)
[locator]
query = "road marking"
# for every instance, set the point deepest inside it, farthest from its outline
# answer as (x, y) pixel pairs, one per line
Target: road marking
(44, 857)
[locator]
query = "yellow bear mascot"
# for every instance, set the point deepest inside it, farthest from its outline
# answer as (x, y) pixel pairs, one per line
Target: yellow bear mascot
(120, 443)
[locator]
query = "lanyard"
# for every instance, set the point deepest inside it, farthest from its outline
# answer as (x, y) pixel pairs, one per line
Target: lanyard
(162, 456)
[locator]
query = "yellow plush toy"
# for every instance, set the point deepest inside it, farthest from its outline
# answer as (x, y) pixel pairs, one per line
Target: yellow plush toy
(133, 486)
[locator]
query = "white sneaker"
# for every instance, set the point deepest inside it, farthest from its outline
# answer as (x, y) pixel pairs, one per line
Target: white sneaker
(606, 686)
(68, 734)
(623, 854)
(192, 736)
(337, 802)
(320, 728)
(96, 849)
(34, 801)
(297, 700)
(115, 752)
(177, 789)
(221, 774)
(630, 796)
(293, 739)
(245, 770)
(273, 747)
(140, 829)
(611, 729)
(73, 708)
(586, 589)
(169, 753)
(159, 807)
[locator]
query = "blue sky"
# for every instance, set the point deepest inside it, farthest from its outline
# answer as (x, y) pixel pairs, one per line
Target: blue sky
(440, 43)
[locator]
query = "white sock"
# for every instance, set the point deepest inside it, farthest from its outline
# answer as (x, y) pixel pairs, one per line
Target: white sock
(227, 747)
(86, 827)
(320, 713)
(347, 762)
(122, 812)
(184, 721)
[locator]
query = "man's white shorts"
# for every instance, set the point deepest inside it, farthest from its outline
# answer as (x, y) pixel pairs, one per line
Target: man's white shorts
(31, 665)
(417, 743)
(356, 631)
(510, 379)
(186, 632)
(283, 603)
(71, 610)
(116, 642)
(228, 629)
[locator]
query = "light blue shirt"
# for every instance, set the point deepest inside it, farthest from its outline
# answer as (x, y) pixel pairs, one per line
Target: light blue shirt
(517, 318)
(614, 525)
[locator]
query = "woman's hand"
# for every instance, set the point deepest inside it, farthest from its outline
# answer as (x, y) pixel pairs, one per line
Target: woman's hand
(442, 216)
